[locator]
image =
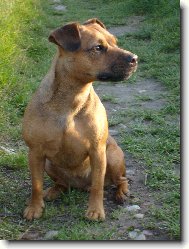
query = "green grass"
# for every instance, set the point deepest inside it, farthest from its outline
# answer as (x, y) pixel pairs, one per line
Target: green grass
(21, 54)
(154, 139)
(109, 98)
(14, 160)
(84, 230)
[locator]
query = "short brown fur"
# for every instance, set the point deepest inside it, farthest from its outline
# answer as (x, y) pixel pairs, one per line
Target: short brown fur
(65, 124)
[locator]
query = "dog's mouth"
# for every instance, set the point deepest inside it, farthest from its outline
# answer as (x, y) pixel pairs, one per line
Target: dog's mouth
(116, 76)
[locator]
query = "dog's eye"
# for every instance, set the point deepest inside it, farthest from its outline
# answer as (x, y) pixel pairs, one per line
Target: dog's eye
(99, 48)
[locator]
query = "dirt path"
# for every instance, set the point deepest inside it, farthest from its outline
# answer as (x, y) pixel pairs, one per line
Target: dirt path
(117, 98)
(133, 24)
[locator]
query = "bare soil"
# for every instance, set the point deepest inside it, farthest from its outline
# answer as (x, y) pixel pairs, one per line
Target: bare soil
(133, 25)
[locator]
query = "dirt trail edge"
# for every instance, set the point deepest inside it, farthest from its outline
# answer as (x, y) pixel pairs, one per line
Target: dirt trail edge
(133, 220)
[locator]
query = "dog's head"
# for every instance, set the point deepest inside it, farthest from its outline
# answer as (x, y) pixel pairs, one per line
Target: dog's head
(91, 52)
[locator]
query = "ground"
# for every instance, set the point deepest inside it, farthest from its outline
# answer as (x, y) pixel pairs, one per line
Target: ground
(143, 122)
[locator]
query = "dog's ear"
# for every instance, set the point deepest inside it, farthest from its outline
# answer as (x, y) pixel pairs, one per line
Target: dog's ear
(68, 37)
(95, 20)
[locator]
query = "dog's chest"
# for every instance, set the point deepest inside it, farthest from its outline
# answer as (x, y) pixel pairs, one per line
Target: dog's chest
(69, 146)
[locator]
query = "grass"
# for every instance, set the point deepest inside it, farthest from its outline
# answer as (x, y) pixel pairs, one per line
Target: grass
(109, 98)
(85, 231)
(153, 139)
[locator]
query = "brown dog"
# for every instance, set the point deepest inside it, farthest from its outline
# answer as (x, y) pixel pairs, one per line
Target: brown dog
(65, 124)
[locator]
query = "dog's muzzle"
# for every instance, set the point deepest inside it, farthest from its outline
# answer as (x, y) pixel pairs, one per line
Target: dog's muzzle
(121, 69)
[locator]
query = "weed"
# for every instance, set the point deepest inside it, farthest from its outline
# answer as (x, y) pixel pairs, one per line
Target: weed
(115, 215)
(131, 228)
(144, 97)
(114, 121)
(16, 160)
(85, 230)
(109, 98)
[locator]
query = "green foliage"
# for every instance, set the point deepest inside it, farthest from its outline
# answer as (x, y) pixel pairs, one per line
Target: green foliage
(85, 230)
(15, 160)
(21, 54)
(158, 8)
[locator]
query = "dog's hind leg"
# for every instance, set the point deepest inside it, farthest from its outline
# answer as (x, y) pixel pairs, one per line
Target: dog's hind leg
(116, 170)
(54, 192)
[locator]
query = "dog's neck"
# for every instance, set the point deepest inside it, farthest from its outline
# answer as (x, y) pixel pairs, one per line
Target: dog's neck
(63, 92)
(69, 93)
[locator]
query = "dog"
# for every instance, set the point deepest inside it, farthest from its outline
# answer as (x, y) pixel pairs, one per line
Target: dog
(65, 124)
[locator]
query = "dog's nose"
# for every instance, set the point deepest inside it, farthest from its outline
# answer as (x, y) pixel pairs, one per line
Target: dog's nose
(132, 59)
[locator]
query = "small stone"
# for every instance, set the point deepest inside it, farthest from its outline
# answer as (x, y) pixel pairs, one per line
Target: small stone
(133, 208)
(30, 235)
(141, 237)
(7, 150)
(50, 235)
(139, 216)
(142, 91)
(133, 234)
(130, 172)
(60, 8)
(147, 232)
(136, 235)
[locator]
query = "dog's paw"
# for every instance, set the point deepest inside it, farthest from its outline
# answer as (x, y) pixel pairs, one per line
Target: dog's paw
(122, 192)
(121, 197)
(33, 211)
(95, 214)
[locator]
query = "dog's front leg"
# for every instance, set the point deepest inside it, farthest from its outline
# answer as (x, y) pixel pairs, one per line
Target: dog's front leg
(36, 204)
(98, 163)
